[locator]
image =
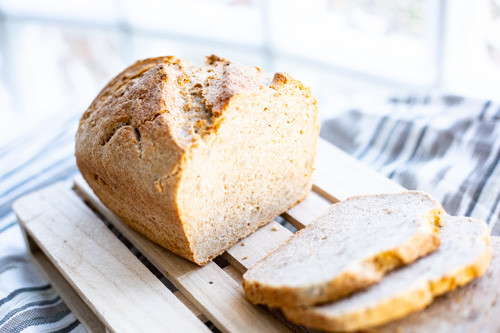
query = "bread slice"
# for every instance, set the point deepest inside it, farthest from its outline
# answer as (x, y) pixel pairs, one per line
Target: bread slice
(463, 255)
(196, 158)
(473, 308)
(347, 249)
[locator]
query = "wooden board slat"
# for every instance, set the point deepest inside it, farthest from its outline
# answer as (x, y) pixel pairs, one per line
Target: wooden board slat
(305, 212)
(339, 176)
(234, 273)
(218, 296)
(120, 291)
(190, 306)
(245, 253)
(74, 302)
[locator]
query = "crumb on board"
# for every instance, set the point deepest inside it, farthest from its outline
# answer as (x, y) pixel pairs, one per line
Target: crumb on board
(242, 244)
(211, 282)
(244, 258)
(275, 228)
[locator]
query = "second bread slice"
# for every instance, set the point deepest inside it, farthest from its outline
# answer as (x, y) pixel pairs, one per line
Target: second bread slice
(464, 254)
(473, 308)
(349, 248)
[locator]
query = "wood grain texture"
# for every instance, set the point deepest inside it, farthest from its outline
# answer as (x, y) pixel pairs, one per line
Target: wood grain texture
(248, 251)
(120, 291)
(74, 302)
(313, 206)
(190, 306)
(234, 273)
(216, 294)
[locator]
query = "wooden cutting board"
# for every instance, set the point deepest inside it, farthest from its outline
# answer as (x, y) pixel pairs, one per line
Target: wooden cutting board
(79, 246)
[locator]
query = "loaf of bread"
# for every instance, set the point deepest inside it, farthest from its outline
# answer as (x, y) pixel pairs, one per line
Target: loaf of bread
(463, 255)
(473, 308)
(349, 248)
(196, 158)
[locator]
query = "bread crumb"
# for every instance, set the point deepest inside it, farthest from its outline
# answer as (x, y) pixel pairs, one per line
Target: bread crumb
(275, 228)
(158, 186)
(244, 258)
(211, 282)
(242, 244)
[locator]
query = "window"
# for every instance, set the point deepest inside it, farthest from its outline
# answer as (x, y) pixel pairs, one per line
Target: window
(57, 54)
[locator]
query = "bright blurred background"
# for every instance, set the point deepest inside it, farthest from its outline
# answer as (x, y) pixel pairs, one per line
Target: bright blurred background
(56, 55)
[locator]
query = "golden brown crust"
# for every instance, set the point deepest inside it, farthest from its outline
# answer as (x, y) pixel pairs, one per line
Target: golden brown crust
(125, 127)
(154, 126)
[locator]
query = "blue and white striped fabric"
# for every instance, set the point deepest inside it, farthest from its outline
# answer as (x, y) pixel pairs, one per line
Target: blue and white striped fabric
(38, 156)
(447, 146)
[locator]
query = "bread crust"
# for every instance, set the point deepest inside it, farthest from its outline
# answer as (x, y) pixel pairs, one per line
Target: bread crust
(136, 143)
(107, 138)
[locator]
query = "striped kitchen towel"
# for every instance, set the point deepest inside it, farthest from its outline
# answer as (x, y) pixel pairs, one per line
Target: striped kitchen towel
(447, 146)
(33, 158)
